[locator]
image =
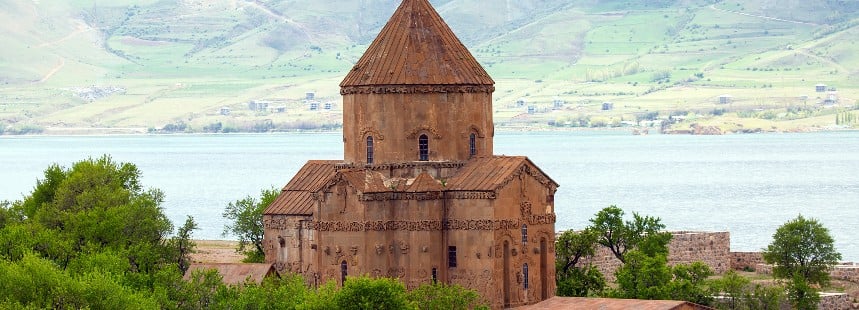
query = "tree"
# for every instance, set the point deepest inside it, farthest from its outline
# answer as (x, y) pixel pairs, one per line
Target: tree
(573, 280)
(184, 245)
(246, 218)
(620, 237)
(802, 247)
(443, 296)
(364, 293)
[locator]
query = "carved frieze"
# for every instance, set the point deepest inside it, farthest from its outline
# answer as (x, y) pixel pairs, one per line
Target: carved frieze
(424, 129)
(369, 131)
(425, 225)
(416, 89)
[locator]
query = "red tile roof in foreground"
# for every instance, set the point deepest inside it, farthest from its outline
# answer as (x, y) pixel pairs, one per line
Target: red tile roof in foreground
(613, 304)
(416, 47)
(235, 273)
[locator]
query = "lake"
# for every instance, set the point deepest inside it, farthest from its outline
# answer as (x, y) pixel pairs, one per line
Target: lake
(746, 184)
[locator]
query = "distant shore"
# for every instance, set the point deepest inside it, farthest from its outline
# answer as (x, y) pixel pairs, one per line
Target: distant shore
(134, 131)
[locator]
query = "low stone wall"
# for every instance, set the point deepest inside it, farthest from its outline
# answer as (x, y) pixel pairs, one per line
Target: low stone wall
(846, 272)
(746, 260)
(712, 248)
(843, 271)
(835, 301)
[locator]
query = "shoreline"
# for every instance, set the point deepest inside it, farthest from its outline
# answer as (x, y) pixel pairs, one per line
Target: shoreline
(120, 132)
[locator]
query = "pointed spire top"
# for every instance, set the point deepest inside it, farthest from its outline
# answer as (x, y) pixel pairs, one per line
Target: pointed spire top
(416, 47)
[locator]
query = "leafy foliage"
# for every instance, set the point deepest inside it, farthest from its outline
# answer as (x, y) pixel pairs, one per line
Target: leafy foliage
(581, 282)
(246, 218)
(620, 237)
(366, 293)
(802, 247)
(443, 296)
(574, 280)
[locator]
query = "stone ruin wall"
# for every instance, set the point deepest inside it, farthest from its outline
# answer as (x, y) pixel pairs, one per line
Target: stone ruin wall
(746, 260)
(712, 248)
(843, 271)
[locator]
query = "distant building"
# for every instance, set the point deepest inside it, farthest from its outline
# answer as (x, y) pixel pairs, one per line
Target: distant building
(279, 109)
(725, 99)
(329, 105)
(558, 103)
(258, 105)
(831, 98)
(820, 88)
(314, 106)
(225, 111)
(532, 109)
(607, 106)
(521, 102)
(310, 95)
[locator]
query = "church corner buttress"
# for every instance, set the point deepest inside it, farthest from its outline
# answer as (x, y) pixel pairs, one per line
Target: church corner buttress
(419, 195)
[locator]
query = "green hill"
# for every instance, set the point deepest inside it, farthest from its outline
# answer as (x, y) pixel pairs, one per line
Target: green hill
(75, 65)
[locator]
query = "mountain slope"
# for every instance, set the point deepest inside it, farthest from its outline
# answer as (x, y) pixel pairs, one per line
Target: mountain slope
(151, 63)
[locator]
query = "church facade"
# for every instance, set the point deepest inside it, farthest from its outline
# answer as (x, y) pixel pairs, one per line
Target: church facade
(419, 195)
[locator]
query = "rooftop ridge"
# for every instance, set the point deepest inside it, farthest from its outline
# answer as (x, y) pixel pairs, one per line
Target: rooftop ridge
(416, 48)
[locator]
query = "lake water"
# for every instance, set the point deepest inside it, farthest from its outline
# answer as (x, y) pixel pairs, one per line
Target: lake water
(745, 184)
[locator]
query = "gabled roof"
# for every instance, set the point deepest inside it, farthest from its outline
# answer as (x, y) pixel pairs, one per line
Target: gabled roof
(312, 176)
(296, 197)
(235, 274)
(364, 180)
(416, 47)
(614, 304)
(291, 203)
(491, 173)
(424, 183)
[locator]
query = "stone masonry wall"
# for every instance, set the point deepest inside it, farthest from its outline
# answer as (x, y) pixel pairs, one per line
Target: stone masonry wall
(712, 248)
(746, 260)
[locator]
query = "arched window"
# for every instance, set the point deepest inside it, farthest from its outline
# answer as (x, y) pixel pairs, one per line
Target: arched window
(524, 235)
(434, 275)
(343, 271)
(423, 146)
(369, 149)
(472, 144)
(525, 275)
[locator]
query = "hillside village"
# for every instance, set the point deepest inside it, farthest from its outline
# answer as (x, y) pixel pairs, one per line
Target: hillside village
(559, 64)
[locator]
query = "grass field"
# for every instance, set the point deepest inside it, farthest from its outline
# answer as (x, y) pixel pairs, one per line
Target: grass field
(184, 61)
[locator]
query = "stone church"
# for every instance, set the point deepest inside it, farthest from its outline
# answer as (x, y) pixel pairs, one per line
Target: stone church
(419, 195)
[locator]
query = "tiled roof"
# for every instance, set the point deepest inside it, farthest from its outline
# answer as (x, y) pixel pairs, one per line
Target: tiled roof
(291, 203)
(295, 198)
(235, 273)
(613, 304)
(416, 47)
(424, 183)
(366, 181)
(489, 173)
(312, 176)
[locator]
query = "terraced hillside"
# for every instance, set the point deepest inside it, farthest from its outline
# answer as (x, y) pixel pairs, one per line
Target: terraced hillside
(225, 65)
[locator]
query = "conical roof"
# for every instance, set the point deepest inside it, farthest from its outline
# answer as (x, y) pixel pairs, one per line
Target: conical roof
(416, 47)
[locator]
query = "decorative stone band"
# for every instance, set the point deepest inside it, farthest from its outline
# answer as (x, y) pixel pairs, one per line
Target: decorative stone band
(384, 196)
(416, 89)
(403, 165)
(425, 225)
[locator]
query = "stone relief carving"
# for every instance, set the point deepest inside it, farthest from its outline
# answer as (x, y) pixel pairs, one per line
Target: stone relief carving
(380, 249)
(369, 131)
(354, 250)
(416, 89)
(424, 128)
(404, 247)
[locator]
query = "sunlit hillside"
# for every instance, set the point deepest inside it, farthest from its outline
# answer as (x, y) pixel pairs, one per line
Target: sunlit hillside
(203, 65)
